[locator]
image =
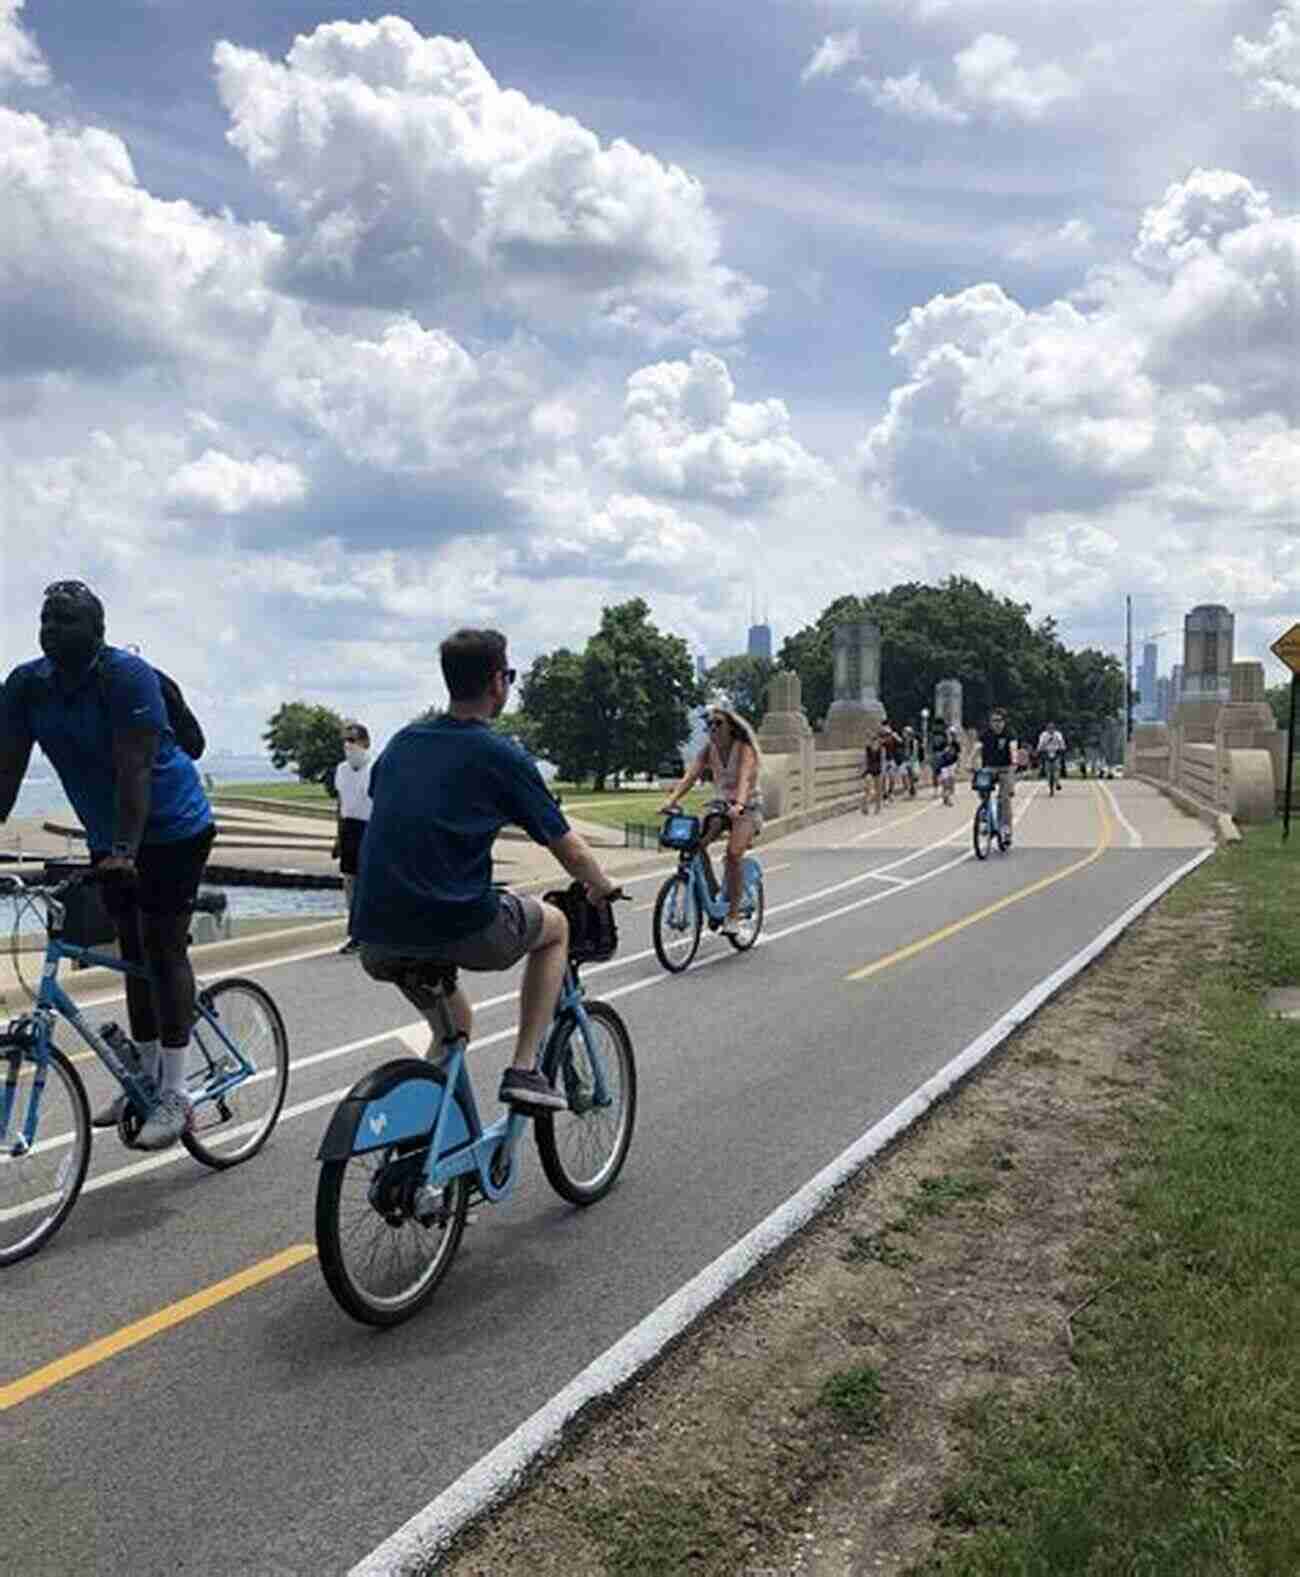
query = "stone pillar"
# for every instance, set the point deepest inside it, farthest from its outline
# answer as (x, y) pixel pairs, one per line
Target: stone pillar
(1246, 724)
(786, 737)
(947, 702)
(856, 709)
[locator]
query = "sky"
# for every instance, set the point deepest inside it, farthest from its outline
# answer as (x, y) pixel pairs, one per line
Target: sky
(325, 331)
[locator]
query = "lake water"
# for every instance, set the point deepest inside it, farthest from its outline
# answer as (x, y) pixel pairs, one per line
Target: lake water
(41, 795)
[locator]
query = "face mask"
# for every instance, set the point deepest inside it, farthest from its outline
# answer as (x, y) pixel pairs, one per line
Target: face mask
(357, 756)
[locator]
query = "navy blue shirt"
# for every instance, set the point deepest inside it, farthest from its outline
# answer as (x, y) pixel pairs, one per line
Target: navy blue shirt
(440, 793)
(75, 730)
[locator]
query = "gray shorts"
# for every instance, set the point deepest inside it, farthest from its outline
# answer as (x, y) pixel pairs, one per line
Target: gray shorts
(499, 945)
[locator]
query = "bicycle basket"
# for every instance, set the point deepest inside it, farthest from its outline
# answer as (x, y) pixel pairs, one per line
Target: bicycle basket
(680, 832)
(86, 920)
(983, 778)
(593, 934)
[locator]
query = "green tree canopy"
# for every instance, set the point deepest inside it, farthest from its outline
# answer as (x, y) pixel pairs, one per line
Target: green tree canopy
(1278, 697)
(744, 680)
(958, 630)
(621, 705)
(307, 738)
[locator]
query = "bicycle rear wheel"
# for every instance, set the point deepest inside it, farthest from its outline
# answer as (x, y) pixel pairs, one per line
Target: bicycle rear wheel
(982, 831)
(675, 925)
(582, 1150)
(381, 1261)
(234, 1127)
(751, 924)
(37, 1190)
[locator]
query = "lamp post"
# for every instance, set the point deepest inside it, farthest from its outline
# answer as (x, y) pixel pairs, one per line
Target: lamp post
(925, 738)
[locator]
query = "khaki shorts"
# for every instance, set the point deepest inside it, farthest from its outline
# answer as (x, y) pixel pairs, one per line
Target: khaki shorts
(499, 945)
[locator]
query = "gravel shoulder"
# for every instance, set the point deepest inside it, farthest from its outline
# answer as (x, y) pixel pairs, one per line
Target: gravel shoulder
(811, 1424)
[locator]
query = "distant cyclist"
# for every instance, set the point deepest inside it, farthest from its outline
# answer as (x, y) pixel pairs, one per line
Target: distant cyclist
(440, 793)
(998, 750)
(732, 757)
(1051, 752)
(873, 770)
(945, 767)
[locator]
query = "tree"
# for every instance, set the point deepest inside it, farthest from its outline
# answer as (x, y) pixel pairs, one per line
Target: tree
(958, 630)
(1278, 697)
(307, 738)
(622, 705)
(744, 680)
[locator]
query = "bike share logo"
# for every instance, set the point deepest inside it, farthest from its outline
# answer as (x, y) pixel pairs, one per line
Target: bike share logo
(378, 1124)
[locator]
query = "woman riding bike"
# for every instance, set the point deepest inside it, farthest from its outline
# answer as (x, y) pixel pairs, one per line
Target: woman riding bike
(734, 761)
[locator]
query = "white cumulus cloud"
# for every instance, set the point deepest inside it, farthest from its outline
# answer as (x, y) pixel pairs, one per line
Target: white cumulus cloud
(20, 57)
(912, 97)
(219, 482)
(416, 177)
(834, 52)
(685, 435)
(1272, 66)
(990, 74)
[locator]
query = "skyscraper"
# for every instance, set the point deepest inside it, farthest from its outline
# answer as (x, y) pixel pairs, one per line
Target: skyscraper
(759, 643)
(1147, 682)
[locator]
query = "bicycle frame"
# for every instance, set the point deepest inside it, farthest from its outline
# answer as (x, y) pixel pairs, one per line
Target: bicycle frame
(405, 1102)
(714, 906)
(36, 1028)
(986, 797)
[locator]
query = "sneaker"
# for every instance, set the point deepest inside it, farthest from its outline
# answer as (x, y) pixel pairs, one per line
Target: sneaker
(166, 1122)
(109, 1116)
(731, 925)
(350, 946)
(529, 1090)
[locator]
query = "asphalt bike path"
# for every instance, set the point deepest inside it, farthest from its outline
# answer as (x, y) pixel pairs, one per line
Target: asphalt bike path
(282, 1437)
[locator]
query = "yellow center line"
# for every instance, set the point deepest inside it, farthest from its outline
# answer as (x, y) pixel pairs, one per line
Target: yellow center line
(942, 935)
(74, 1363)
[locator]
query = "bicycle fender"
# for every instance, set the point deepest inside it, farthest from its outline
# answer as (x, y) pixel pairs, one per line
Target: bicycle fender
(395, 1103)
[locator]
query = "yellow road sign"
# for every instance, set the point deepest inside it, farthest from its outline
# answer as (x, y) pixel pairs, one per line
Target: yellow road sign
(1288, 648)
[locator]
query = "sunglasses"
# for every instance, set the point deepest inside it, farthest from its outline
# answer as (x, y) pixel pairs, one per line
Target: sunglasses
(511, 674)
(717, 722)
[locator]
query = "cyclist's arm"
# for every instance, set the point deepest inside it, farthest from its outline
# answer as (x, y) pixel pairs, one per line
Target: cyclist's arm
(134, 752)
(746, 775)
(15, 748)
(573, 854)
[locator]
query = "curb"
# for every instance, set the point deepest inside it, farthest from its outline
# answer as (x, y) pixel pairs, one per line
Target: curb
(421, 1539)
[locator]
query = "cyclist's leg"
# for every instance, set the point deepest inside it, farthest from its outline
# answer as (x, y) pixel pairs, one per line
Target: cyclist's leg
(1006, 793)
(738, 842)
(714, 826)
(543, 977)
(120, 901)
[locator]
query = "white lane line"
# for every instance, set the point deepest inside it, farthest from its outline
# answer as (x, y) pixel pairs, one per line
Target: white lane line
(1134, 836)
(889, 826)
(493, 1477)
(416, 1033)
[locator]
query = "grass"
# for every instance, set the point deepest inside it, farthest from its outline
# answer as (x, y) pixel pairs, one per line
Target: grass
(292, 793)
(614, 809)
(653, 1531)
(1175, 1447)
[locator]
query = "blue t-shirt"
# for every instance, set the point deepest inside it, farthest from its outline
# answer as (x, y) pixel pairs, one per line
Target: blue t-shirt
(75, 730)
(440, 793)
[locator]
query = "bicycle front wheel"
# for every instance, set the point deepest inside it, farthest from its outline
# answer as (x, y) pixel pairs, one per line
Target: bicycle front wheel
(582, 1150)
(38, 1189)
(982, 832)
(675, 926)
(384, 1250)
(233, 1126)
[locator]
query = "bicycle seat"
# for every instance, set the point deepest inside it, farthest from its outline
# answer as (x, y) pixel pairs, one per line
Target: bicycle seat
(420, 978)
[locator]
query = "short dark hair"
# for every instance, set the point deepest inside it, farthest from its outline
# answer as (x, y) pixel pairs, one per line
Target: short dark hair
(355, 730)
(80, 596)
(469, 659)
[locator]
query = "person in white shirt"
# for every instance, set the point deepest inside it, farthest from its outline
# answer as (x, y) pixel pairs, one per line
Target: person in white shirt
(1051, 751)
(352, 788)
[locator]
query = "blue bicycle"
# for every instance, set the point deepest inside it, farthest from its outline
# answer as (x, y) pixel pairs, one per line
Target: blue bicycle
(691, 896)
(236, 1078)
(985, 831)
(406, 1149)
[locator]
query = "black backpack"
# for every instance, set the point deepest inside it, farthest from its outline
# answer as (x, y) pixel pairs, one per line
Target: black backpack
(183, 723)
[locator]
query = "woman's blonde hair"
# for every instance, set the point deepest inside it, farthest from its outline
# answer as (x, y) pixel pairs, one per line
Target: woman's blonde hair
(740, 727)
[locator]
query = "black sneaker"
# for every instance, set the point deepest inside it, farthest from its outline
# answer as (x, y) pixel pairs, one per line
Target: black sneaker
(528, 1090)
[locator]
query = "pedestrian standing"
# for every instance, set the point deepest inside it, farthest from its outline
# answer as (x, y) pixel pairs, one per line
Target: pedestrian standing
(352, 789)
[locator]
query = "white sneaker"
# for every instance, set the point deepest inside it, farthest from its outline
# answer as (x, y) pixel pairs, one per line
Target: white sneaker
(166, 1122)
(109, 1116)
(731, 926)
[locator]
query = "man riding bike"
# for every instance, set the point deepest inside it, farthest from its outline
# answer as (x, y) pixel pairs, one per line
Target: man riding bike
(997, 749)
(1051, 751)
(441, 791)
